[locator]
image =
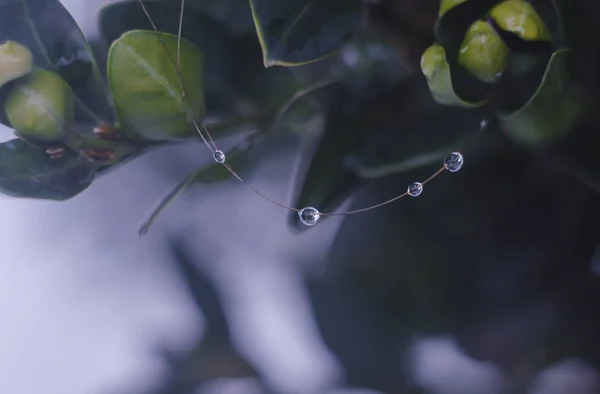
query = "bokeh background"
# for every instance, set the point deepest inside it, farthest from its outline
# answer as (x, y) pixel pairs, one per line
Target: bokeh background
(485, 285)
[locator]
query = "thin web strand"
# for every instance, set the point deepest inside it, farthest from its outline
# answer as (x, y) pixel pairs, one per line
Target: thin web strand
(382, 204)
(213, 148)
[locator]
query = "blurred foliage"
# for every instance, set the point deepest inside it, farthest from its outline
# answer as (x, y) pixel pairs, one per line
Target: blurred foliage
(383, 89)
(361, 78)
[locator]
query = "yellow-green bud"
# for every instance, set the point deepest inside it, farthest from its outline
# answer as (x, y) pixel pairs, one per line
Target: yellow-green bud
(447, 5)
(483, 53)
(16, 61)
(432, 60)
(41, 108)
(519, 17)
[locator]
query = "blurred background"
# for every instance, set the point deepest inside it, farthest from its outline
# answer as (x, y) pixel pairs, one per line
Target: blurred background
(487, 284)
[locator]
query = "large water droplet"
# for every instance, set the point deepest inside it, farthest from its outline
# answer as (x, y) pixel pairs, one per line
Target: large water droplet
(454, 162)
(415, 189)
(309, 216)
(219, 156)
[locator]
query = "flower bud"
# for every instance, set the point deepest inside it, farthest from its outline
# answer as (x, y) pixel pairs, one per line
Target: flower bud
(437, 71)
(16, 61)
(432, 60)
(483, 53)
(41, 108)
(519, 17)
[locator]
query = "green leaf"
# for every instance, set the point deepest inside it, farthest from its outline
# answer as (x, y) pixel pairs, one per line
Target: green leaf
(552, 112)
(235, 14)
(309, 93)
(296, 32)
(28, 171)
(450, 34)
(40, 108)
(437, 72)
(210, 36)
(551, 12)
(205, 175)
(47, 29)
(146, 87)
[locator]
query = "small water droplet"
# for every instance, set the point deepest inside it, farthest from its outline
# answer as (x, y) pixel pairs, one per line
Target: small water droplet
(415, 189)
(485, 122)
(309, 216)
(454, 162)
(219, 156)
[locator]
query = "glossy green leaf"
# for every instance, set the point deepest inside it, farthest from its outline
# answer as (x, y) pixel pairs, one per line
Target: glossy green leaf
(437, 72)
(47, 29)
(205, 175)
(553, 110)
(210, 36)
(28, 171)
(41, 108)
(296, 32)
(146, 86)
(16, 61)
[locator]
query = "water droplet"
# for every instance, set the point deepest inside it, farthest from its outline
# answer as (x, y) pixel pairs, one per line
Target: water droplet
(219, 156)
(485, 122)
(309, 216)
(415, 189)
(454, 161)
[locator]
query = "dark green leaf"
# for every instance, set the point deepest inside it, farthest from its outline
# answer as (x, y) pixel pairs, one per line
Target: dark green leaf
(47, 29)
(521, 80)
(264, 88)
(235, 14)
(146, 86)
(551, 13)
(295, 32)
(355, 114)
(553, 110)
(309, 93)
(28, 171)
(208, 174)
(415, 139)
(207, 34)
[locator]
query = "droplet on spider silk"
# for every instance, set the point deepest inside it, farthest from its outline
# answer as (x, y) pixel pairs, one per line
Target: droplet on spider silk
(309, 216)
(454, 161)
(415, 189)
(219, 156)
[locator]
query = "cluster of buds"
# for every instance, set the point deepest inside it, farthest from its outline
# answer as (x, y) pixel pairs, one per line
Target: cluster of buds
(483, 52)
(40, 105)
(511, 55)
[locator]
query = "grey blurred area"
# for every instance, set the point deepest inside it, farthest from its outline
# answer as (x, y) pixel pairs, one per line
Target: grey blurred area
(220, 297)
